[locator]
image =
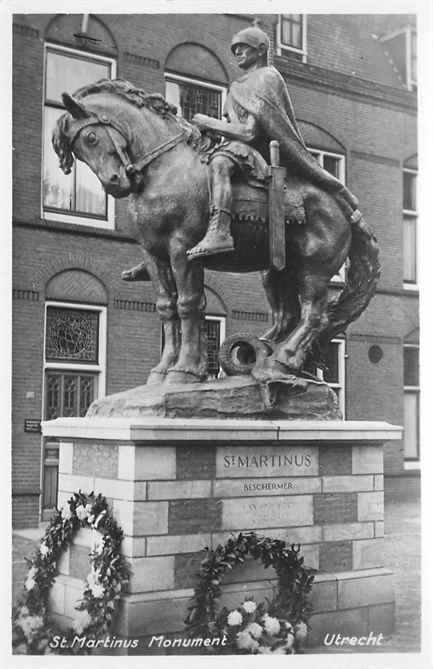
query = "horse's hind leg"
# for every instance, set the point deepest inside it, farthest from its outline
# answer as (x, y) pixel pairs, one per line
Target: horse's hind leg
(290, 354)
(282, 294)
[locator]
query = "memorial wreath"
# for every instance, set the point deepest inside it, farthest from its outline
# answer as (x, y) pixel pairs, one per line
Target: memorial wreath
(277, 626)
(32, 629)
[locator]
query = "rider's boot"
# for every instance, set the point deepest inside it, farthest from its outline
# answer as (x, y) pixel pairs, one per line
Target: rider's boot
(218, 238)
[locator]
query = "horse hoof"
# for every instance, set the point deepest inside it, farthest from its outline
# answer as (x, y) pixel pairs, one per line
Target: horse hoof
(155, 378)
(180, 376)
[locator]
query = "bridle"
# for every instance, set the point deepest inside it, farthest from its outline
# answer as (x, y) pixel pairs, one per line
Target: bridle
(135, 169)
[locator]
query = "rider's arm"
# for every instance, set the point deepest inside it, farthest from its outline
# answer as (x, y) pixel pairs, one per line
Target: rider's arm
(244, 132)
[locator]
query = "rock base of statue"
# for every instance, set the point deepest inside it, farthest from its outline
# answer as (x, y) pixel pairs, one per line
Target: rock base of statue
(176, 485)
(291, 397)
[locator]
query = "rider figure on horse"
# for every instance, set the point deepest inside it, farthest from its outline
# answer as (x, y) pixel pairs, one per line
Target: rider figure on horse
(258, 109)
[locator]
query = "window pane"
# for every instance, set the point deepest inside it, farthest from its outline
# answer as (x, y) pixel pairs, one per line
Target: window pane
(90, 196)
(68, 73)
(70, 395)
(411, 425)
(172, 93)
(87, 392)
(53, 396)
(291, 30)
(409, 249)
(410, 366)
(72, 334)
(213, 345)
(57, 187)
(409, 191)
(413, 72)
(50, 486)
(194, 99)
(332, 165)
(331, 374)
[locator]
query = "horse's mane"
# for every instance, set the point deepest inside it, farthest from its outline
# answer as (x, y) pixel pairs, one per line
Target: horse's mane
(138, 97)
(153, 101)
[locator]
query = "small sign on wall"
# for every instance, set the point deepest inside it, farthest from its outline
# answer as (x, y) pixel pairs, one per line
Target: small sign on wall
(32, 425)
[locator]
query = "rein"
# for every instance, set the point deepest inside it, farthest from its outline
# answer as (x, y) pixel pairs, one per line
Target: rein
(132, 169)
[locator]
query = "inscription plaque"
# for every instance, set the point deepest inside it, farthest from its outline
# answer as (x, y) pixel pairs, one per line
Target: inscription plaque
(260, 461)
(267, 486)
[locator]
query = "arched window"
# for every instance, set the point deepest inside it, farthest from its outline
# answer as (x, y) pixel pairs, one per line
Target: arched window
(74, 359)
(195, 81)
(77, 197)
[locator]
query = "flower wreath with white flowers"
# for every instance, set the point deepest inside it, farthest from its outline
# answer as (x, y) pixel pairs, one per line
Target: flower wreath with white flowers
(277, 626)
(32, 630)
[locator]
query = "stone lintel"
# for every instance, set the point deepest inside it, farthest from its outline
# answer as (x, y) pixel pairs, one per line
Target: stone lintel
(199, 430)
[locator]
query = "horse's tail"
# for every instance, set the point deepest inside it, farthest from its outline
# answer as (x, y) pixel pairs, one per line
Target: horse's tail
(362, 277)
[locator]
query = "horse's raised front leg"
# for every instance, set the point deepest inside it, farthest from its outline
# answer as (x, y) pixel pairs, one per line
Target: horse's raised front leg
(166, 299)
(191, 365)
(290, 354)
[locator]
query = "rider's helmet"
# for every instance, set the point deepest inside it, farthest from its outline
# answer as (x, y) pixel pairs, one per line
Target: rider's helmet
(252, 36)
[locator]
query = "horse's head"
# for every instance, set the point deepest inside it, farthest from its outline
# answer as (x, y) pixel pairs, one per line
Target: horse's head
(98, 140)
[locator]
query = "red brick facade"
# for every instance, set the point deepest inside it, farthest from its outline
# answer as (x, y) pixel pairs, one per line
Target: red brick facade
(351, 95)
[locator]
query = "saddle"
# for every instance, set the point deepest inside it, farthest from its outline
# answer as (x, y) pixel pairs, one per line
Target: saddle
(275, 199)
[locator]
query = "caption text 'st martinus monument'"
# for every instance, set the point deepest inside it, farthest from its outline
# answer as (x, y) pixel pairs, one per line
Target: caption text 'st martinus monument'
(188, 461)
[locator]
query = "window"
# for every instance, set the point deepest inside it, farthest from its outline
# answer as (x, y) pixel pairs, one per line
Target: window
(410, 224)
(335, 371)
(215, 332)
(335, 164)
(74, 362)
(411, 401)
(74, 358)
(401, 48)
(292, 35)
(215, 335)
(331, 162)
(77, 197)
(191, 96)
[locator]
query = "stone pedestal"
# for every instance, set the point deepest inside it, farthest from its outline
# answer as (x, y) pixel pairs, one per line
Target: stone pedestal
(178, 485)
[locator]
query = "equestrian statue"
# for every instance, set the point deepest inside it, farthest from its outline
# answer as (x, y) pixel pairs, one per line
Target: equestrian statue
(239, 195)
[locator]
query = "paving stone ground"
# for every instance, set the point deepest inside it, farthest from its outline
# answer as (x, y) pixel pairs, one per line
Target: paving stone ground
(402, 556)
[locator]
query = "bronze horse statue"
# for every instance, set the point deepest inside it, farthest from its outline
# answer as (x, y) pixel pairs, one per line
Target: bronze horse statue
(138, 147)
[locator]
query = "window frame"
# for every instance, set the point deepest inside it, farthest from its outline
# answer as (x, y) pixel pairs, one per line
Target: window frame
(99, 368)
(412, 214)
(408, 32)
(319, 154)
(171, 76)
(222, 321)
(48, 214)
(339, 385)
(413, 390)
(282, 47)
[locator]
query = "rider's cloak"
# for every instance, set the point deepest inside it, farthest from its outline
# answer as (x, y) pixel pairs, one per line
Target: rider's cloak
(263, 94)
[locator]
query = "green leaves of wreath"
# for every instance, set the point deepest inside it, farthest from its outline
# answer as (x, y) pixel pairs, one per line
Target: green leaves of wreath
(294, 581)
(32, 631)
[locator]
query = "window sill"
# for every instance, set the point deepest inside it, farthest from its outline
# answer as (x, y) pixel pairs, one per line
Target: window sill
(79, 220)
(411, 465)
(74, 229)
(291, 52)
(412, 287)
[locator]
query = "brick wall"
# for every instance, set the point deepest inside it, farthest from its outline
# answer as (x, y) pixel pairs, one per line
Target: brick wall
(377, 140)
